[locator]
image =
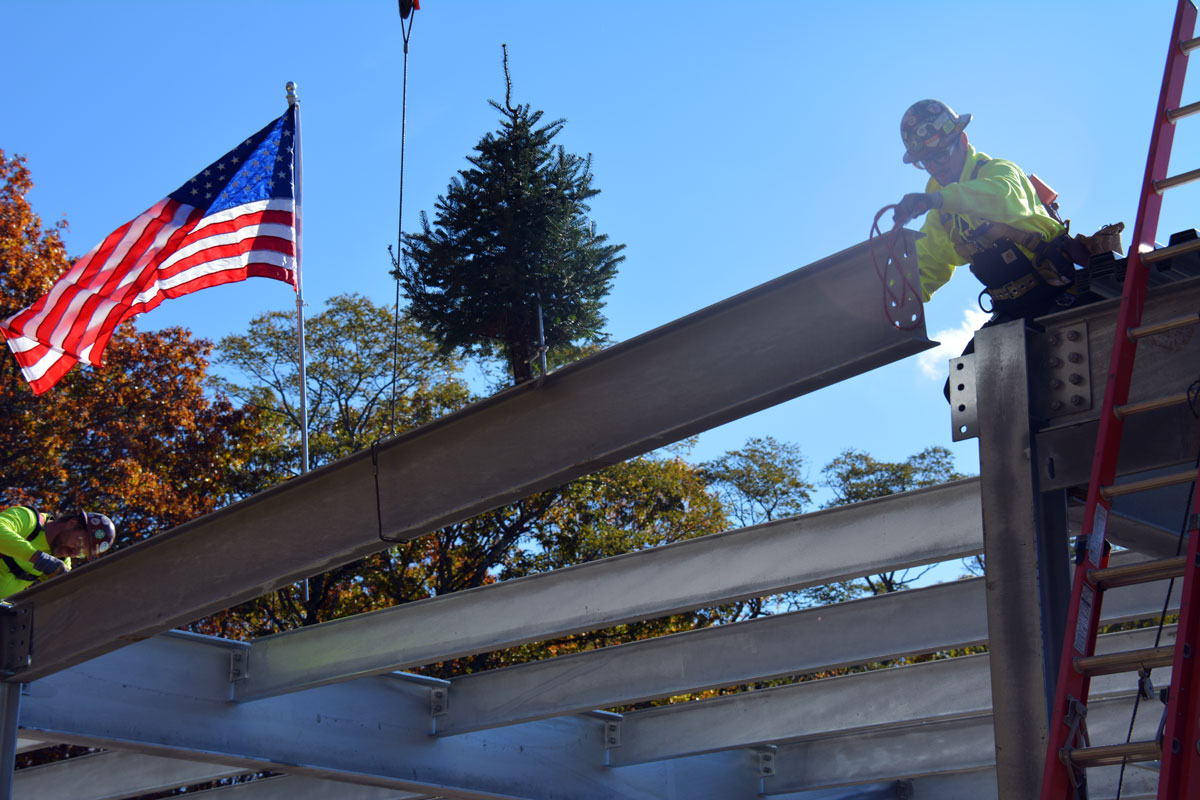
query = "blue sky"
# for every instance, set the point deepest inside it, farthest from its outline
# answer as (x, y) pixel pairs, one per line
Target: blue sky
(732, 142)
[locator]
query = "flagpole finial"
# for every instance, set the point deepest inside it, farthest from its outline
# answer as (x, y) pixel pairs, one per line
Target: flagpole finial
(291, 93)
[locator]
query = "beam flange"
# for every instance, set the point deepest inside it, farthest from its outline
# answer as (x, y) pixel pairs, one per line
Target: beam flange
(629, 399)
(924, 526)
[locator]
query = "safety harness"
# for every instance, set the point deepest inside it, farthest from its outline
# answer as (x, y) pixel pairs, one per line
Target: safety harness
(12, 564)
(1015, 284)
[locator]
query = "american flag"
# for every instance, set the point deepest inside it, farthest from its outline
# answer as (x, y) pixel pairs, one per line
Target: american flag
(237, 218)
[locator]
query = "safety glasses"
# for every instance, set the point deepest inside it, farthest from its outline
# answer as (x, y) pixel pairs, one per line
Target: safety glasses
(937, 158)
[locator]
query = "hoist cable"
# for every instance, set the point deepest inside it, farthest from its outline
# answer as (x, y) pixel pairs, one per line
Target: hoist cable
(900, 296)
(398, 258)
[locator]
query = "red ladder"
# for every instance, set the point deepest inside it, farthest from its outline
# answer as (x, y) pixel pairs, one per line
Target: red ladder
(1069, 753)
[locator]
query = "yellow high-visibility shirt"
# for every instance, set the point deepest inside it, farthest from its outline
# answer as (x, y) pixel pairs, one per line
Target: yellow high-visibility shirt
(999, 192)
(16, 525)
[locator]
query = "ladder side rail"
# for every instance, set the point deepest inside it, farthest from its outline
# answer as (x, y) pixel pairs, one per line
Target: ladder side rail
(1180, 773)
(1080, 638)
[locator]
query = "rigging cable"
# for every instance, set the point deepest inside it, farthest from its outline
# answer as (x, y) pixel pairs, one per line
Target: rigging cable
(898, 290)
(399, 255)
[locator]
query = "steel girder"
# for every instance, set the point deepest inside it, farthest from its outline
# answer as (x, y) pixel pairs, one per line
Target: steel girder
(943, 617)
(925, 526)
(165, 698)
(733, 358)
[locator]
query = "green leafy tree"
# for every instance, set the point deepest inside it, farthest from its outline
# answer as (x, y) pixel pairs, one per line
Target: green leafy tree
(510, 239)
(350, 378)
(762, 481)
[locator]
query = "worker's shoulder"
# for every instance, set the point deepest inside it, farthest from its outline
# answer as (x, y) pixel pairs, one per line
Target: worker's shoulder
(25, 518)
(995, 166)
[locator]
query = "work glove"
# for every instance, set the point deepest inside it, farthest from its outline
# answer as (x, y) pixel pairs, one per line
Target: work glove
(47, 564)
(914, 205)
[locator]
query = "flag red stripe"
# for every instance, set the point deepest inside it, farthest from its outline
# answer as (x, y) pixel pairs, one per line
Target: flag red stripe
(75, 338)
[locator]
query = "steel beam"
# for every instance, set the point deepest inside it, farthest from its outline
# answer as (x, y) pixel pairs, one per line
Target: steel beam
(880, 628)
(1167, 363)
(292, 787)
(976, 785)
(924, 526)
(941, 617)
(1134, 534)
(167, 696)
(938, 747)
(880, 698)
(736, 357)
(113, 774)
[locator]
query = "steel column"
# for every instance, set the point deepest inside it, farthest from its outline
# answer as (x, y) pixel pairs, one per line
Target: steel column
(1027, 579)
(10, 712)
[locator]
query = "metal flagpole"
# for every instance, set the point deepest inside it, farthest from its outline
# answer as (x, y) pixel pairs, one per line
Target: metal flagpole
(298, 171)
(297, 194)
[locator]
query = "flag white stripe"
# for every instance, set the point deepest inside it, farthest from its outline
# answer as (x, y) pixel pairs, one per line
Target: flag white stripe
(239, 261)
(21, 344)
(160, 241)
(276, 230)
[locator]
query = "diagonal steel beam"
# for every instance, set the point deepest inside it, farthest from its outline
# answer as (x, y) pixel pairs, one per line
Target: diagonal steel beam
(924, 526)
(810, 328)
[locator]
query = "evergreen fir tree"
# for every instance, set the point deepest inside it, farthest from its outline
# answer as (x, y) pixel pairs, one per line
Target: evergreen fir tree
(511, 234)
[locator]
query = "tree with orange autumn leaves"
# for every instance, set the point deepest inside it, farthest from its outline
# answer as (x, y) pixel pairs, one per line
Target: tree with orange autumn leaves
(141, 439)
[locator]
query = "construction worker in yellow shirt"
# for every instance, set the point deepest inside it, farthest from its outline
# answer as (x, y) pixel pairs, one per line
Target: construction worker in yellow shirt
(984, 212)
(34, 547)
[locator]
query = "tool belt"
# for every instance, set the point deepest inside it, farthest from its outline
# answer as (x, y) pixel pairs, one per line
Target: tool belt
(1017, 285)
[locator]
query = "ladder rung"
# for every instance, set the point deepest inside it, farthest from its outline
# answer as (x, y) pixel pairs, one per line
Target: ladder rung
(1129, 661)
(1129, 409)
(1114, 754)
(1133, 487)
(1188, 45)
(1142, 572)
(1161, 186)
(1176, 114)
(1154, 328)
(1163, 253)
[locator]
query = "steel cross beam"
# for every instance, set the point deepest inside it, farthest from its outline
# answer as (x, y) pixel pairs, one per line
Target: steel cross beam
(945, 747)
(166, 697)
(942, 617)
(810, 328)
(928, 525)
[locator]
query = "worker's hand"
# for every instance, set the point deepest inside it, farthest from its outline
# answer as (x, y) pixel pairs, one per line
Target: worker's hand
(47, 564)
(914, 205)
